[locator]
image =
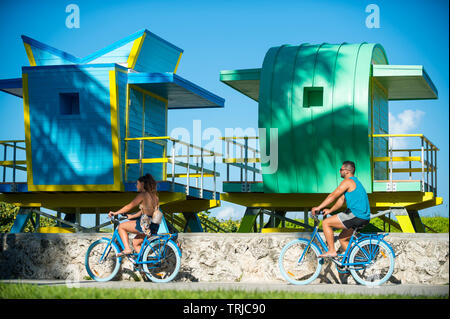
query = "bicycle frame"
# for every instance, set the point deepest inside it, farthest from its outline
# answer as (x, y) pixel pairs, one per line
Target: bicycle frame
(354, 242)
(137, 258)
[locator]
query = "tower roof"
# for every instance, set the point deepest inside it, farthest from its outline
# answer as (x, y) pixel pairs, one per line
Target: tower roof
(142, 51)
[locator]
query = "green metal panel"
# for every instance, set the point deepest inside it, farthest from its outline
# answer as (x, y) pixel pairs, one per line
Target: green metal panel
(245, 81)
(398, 186)
(317, 133)
(248, 220)
(405, 82)
(265, 115)
(240, 187)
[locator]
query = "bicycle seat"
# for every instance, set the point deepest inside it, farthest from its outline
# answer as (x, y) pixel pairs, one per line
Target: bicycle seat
(358, 228)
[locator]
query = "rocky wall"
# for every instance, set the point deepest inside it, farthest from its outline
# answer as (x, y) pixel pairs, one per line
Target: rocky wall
(420, 258)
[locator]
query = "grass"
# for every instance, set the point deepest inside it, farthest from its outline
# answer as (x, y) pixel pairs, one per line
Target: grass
(28, 291)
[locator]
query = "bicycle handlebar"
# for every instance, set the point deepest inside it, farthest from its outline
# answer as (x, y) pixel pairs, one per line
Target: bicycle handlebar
(116, 221)
(316, 218)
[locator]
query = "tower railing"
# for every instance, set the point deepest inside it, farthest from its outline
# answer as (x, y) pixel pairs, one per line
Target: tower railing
(420, 159)
(193, 165)
(240, 155)
(10, 158)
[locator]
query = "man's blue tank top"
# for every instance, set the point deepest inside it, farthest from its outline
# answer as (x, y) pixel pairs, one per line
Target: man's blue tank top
(357, 200)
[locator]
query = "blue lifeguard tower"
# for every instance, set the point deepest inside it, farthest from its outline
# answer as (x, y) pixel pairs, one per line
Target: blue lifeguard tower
(93, 125)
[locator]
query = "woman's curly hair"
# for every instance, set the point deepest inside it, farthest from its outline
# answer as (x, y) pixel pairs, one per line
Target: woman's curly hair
(150, 187)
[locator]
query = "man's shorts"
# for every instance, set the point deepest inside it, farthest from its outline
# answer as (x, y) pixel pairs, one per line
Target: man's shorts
(351, 221)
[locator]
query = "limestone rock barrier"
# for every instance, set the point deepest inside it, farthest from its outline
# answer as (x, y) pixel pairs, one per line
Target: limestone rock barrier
(216, 257)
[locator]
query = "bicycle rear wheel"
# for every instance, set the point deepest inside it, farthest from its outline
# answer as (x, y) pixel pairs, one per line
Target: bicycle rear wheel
(163, 261)
(380, 262)
(298, 266)
(101, 262)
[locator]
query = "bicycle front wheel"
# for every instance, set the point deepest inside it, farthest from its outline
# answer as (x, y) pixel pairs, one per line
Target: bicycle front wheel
(162, 261)
(299, 263)
(376, 262)
(101, 262)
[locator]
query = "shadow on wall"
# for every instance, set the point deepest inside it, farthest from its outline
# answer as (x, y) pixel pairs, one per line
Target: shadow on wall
(65, 148)
(314, 138)
(316, 157)
(43, 256)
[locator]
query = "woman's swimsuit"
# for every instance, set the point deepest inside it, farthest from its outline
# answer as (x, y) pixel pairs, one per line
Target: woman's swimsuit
(146, 224)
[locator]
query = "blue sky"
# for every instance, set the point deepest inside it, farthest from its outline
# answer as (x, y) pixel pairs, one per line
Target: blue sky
(222, 35)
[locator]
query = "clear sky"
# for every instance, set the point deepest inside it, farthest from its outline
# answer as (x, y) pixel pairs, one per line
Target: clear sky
(223, 35)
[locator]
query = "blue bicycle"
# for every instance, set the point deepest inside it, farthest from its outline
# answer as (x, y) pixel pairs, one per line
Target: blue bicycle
(159, 257)
(368, 258)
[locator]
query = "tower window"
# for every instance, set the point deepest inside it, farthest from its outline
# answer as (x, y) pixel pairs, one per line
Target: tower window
(312, 96)
(69, 103)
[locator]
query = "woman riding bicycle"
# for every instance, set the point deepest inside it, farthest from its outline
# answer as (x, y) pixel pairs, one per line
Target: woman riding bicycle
(145, 222)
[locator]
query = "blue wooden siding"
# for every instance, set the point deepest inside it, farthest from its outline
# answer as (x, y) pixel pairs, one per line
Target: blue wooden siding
(43, 57)
(119, 55)
(157, 55)
(70, 149)
(122, 79)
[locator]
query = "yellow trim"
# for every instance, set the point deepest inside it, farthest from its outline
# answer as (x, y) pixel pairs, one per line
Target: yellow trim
(380, 86)
(11, 163)
(397, 135)
(115, 143)
(82, 199)
(397, 159)
(178, 62)
(156, 96)
(55, 230)
(74, 188)
(146, 138)
(241, 160)
(148, 160)
(122, 70)
(296, 202)
(282, 230)
(191, 175)
(135, 50)
(26, 113)
(405, 223)
(165, 146)
(412, 170)
(238, 137)
(141, 172)
(29, 54)
(424, 138)
(196, 205)
(115, 131)
(126, 131)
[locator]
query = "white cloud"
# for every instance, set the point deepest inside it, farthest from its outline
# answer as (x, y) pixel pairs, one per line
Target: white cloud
(226, 213)
(405, 122)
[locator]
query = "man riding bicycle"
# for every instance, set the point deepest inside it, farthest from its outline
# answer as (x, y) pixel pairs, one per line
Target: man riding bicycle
(357, 214)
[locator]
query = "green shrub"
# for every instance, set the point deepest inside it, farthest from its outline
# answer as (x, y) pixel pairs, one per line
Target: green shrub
(8, 213)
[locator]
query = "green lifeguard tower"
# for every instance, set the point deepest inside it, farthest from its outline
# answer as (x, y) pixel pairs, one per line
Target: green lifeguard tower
(93, 125)
(324, 104)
